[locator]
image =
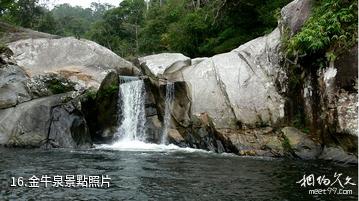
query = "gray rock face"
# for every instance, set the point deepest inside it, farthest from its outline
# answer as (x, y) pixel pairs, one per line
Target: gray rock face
(339, 92)
(238, 86)
(107, 106)
(295, 14)
(79, 60)
(337, 154)
(13, 88)
(348, 113)
(301, 144)
(27, 124)
(202, 134)
(256, 142)
(68, 128)
(207, 94)
(40, 122)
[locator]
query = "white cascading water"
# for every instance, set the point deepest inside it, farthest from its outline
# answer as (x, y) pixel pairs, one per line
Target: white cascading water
(168, 108)
(132, 101)
(131, 135)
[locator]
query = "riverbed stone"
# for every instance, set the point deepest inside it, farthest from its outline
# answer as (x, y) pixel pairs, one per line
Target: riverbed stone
(301, 144)
(174, 137)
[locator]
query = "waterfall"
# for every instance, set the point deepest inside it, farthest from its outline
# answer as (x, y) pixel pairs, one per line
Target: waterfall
(132, 102)
(168, 107)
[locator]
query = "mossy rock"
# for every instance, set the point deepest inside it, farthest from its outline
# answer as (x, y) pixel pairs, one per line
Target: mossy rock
(57, 86)
(107, 107)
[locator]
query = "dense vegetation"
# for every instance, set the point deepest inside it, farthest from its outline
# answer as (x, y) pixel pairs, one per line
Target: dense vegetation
(331, 30)
(136, 27)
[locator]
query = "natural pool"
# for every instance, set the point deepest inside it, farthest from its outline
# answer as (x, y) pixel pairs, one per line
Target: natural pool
(159, 172)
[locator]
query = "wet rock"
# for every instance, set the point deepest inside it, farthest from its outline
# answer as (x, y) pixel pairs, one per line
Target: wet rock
(27, 124)
(301, 144)
(337, 154)
(347, 66)
(201, 134)
(155, 107)
(154, 129)
(103, 111)
(174, 137)
(45, 122)
(68, 128)
(256, 141)
(181, 106)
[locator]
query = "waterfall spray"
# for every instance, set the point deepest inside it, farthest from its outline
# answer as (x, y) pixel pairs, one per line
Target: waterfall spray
(132, 127)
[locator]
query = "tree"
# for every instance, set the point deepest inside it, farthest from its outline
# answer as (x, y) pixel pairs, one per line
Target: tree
(24, 13)
(5, 5)
(119, 28)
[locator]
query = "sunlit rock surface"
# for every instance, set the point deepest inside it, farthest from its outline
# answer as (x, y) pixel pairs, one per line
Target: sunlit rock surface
(78, 60)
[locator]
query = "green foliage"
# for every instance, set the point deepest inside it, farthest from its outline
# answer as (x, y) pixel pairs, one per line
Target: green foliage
(77, 21)
(108, 91)
(331, 29)
(58, 87)
(286, 145)
(120, 28)
(5, 5)
(195, 28)
(211, 28)
(26, 13)
(90, 94)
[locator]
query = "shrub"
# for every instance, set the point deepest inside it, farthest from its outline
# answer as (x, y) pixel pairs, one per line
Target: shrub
(330, 30)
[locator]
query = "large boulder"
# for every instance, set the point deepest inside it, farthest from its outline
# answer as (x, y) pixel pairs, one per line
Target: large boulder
(201, 134)
(157, 65)
(68, 128)
(207, 94)
(40, 122)
(81, 61)
(243, 87)
(102, 109)
(238, 87)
